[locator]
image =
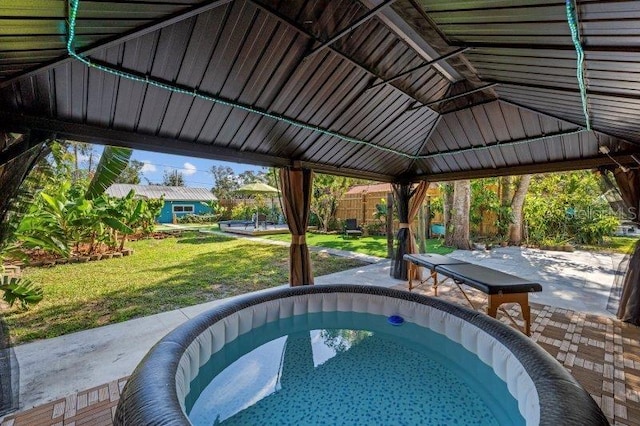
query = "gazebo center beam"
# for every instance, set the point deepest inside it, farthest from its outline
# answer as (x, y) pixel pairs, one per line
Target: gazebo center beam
(350, 28)
(294, 25)
(419, 67)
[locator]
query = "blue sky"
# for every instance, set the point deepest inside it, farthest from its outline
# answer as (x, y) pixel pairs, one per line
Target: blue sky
(196, 171)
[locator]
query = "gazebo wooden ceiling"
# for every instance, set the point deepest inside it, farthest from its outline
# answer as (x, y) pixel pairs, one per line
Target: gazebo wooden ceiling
(389, 90)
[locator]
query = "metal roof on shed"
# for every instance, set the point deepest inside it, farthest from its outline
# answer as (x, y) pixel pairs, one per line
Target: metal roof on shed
(170, 193)
(379, 102)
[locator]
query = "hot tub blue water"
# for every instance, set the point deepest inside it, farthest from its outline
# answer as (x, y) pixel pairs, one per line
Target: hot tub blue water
(347, 368)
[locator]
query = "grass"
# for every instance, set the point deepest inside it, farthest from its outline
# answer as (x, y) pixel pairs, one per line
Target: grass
(375, 245)
(160, 276)
(622, 245)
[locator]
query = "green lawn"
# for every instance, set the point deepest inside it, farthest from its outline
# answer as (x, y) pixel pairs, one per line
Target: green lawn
(613, 244)
(160, 276)
(376, 245)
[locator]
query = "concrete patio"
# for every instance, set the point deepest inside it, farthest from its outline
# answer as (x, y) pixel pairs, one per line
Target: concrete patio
(570, 320)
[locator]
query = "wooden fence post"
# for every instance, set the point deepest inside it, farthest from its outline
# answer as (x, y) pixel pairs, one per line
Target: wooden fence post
(363, 222)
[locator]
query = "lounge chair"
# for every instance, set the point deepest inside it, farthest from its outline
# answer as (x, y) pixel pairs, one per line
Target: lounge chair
(351, 228)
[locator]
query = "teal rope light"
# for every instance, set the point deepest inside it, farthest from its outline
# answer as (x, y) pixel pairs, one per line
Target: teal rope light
(499, 144)
(572, 19)
(73, 12)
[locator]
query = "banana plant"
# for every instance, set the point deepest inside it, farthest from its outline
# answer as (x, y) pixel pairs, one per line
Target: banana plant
(20, 289)
(112, 162)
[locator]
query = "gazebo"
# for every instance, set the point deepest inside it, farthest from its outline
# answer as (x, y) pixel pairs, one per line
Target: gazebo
(399, 91)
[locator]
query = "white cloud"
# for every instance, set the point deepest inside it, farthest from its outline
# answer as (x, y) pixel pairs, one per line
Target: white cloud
(189, 169)
(84, 158)
(148, 167)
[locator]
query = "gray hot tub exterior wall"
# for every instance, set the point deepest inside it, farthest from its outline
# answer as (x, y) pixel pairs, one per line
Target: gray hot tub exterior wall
(151, 396)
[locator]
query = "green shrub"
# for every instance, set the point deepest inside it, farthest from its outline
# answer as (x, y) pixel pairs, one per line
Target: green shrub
(335, 225)
(241, 211)
(567, 207)
(198, 218)
(375, 228)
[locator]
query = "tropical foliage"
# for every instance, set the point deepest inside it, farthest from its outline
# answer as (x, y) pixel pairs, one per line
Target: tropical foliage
(71, 214)
(327, 190)
(559, 208)
(567, 208)
(64, 221)
(226, 182)
(22, 290)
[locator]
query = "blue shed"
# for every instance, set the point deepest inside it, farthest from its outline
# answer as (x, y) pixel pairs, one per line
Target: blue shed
(178, 200)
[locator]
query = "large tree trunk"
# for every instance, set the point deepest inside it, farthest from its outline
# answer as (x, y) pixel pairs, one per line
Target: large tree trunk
(505, 191)
(515, 229)
(457, 234)
(504, 213)
(447, 204)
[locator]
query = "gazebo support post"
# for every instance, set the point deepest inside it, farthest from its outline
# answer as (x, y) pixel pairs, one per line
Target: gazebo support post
(408, 202)
(296, 185)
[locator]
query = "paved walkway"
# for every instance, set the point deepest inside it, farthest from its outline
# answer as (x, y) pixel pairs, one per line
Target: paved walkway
(55, 368)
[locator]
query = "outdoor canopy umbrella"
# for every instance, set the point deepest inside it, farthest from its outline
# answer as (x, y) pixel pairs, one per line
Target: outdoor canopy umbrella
(257, 188)
(260, 189)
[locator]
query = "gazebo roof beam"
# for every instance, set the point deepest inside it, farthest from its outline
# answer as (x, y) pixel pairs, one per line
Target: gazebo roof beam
(104, 136)
(403, 30)
(556, 166)
(373, 12)
(294, 25)
(452, 97)
(563, 89)
(419, 67)
(559, 47)
(546, 114)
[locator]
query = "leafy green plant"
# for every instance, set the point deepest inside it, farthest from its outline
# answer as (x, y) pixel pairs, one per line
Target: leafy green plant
(19, 289)
(567, 207)
(242, 211)
(483, 199)
(112, 162)
(198, 218)
(375, 228)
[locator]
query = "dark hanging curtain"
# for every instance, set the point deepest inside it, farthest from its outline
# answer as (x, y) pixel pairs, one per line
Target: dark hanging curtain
(9, 373)
(629, 300)
(14, 201)
(296, 199)
(402, 194)
(407, 202)
(12, 174)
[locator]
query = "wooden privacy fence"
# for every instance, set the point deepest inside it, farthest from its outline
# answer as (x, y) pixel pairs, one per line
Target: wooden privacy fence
(362, 207)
